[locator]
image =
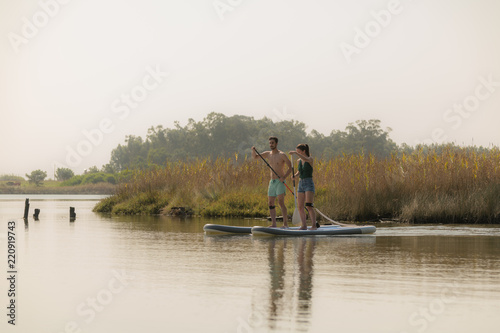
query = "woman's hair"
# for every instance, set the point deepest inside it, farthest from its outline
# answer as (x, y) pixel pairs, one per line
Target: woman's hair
(304, 147)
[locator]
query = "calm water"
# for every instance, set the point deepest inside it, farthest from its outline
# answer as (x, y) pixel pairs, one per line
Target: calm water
(159, 274)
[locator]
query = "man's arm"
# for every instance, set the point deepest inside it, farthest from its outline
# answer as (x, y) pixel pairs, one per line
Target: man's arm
(289, 165)
(264, 154)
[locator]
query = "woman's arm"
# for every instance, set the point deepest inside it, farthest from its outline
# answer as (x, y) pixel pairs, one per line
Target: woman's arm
(303, 157)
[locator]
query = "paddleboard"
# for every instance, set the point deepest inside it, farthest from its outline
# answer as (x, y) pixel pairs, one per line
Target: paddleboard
(322, 231)
(219, 229)
(214, 229)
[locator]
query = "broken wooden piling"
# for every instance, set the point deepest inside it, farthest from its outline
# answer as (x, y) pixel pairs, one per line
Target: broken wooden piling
(26, 208)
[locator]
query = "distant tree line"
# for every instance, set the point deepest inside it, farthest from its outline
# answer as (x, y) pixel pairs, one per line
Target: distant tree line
(68, 178)
(218, 135)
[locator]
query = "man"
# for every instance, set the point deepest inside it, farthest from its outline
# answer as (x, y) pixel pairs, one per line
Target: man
(277, 160)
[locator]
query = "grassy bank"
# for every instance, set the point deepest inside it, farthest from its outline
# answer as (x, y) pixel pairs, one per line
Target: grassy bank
(453, 186)
(56, 187)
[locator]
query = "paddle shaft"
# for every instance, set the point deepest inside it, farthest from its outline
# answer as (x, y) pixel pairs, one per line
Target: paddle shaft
(270, 167)
(333, 221)
(296, 219)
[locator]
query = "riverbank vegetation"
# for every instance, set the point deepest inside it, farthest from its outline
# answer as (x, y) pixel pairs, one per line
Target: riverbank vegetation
(360, 173)
(92, 183)
(445, 185)
(54, 187)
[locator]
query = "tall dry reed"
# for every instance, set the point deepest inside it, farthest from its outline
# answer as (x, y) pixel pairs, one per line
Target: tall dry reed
(454, 185)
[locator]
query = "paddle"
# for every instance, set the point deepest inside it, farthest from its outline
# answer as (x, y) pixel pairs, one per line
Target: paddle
(296, 216)
(332, 221)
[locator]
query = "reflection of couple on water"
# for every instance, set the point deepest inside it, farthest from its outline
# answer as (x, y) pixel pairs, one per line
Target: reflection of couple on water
(302, 276)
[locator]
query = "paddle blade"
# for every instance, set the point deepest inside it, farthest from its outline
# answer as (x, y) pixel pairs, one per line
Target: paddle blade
(296, 217)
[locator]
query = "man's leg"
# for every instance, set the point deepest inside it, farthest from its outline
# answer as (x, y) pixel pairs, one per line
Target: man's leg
(281, 202)
(272, 210)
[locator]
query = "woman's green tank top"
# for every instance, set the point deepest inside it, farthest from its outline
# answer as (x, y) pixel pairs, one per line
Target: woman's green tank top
(305, 170)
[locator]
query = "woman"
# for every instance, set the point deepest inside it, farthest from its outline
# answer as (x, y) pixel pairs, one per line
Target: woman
(306, 185)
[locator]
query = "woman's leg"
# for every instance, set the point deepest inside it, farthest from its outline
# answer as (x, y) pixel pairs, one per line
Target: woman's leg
(302, 213)
(309, 201)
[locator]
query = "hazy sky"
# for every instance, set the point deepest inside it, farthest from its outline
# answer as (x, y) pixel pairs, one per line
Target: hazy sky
(78, 76)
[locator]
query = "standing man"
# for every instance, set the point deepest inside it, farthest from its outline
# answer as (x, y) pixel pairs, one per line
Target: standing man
(277, 160)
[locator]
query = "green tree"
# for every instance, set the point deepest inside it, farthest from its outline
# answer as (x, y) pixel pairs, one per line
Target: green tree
(366, 136)
(11, 177)
(133, 155)
(92, 169)
(218, 135)
(37, 177)
(64, 174)
(108, 168)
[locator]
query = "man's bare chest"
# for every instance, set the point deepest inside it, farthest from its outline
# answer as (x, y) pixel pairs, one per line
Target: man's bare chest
(276, 159)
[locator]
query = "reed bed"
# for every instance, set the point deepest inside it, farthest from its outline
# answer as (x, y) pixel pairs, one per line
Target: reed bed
(455, 185)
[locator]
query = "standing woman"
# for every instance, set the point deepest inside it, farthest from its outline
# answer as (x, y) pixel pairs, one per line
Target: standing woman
(306, 191)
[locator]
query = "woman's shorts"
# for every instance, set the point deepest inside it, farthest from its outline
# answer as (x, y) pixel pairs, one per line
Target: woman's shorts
(306, 185)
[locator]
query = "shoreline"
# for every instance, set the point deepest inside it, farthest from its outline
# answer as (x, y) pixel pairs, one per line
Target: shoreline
(450, 186)
(96, 189)
(102, 206)
(453, 186)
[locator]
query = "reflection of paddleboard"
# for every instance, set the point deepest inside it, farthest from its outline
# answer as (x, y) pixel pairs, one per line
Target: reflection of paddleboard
(323, 230)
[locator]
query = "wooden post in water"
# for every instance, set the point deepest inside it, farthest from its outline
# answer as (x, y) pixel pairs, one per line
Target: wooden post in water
(37, 212)
(26, 208)
(72, 214)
